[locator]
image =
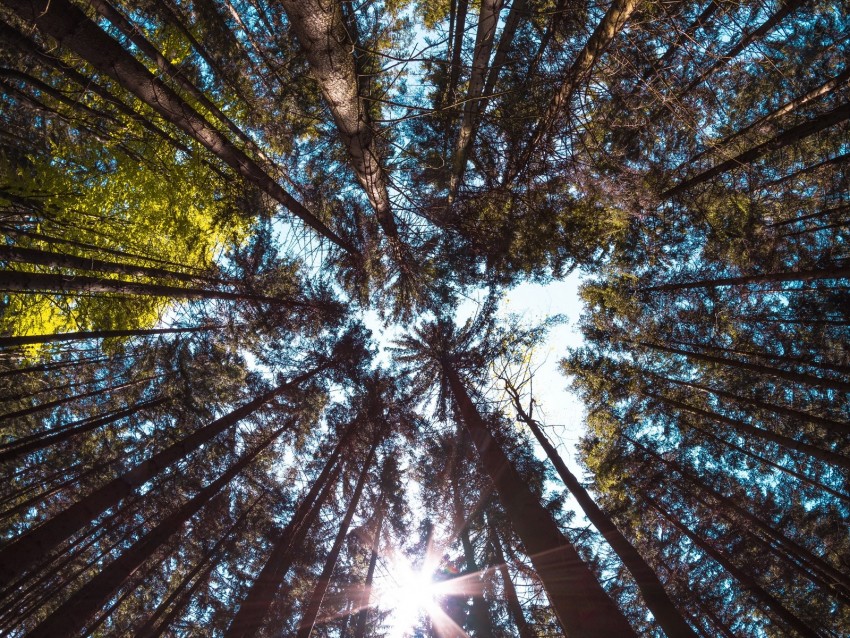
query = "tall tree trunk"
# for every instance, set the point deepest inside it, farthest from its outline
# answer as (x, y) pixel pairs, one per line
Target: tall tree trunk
(8, 342)
(21, 554)
(577, 598)
(511, 599)
(320, 29)
(28, 444)
(833, 272)
(70, 617)
(788, 443)
(60, 260)
(69, 26)
(796, 377)
(38, 283)
(792, 135)
(747, 581)
(254, 608)
(652, 590)
(49, 405)
(488, 19)
(607, 29)
(363, 604)
(311, 613)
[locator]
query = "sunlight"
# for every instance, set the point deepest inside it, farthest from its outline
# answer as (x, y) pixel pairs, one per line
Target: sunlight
(407, 594)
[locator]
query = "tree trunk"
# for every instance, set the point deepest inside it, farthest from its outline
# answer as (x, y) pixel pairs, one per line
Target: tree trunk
(747, 581)
(652, 590)
(311, 612)
(796, 377)
(835, 272)
(21, 554)
(74, 613)
(44, 283)
(580, 603)
(607, 29)
(788, 443)
(69, 26)
(794, 134)
(320, 30)
(511, 599)
(60, 260)
(7, 342)
(41, 407)
(254, 608)
(488, 19)
(25, 445)
(360, 626)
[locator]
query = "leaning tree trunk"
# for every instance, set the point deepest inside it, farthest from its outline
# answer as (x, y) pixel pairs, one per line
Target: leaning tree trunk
(745, 579)
(311, 613)
(511, 598)
(360, 625)
(20, 555)
(652, 590)
(577, 598)
(96, 334)
(73, 615)
(255, 607)
(69, 26)
(835, 272)
(320, 29)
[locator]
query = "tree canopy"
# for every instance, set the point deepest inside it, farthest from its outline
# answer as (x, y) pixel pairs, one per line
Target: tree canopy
(242, 392)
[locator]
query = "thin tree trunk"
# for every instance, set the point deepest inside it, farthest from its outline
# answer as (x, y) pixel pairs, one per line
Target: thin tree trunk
(834, 272)
(788, 443)
(652, 590)
(69, 26)
(511, 599)
(74, 613)
(254, 608)
(796, 377)
(577, 598)
(311, 612)
(747, 581)
(60, 260)
(28, 444)
(488, 19)
(360, 626)
(20, 555)
(40, 283)
(8, 342)
(41, 407)
(607, 29)
(794, 134)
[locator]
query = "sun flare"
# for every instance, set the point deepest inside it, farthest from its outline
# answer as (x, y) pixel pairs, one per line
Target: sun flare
(407, 594)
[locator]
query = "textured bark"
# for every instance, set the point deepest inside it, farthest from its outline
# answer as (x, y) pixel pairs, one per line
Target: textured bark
(69, 26)
(311, 613)
(577, 598)
(73, 615)
(488, 19)
(320, 29)
(17, 557)
(652, 590)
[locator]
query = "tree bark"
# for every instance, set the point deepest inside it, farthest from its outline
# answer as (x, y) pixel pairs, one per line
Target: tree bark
(7, 342)
(69, 26)
(652, 590)
(580, 603)
(311, 612)
(73, 615)
(21, 554)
